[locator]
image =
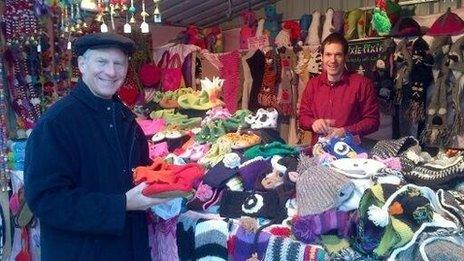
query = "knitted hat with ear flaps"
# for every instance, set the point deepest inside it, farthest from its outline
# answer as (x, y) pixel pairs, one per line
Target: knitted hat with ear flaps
(385, 149)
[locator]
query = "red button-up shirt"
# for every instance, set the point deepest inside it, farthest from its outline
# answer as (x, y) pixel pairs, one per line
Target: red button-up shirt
(351, 102)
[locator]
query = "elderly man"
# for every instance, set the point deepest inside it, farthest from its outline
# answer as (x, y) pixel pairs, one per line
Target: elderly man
(79, 157)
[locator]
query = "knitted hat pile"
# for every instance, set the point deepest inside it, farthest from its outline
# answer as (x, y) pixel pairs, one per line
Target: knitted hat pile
(281, 249)
(320, 188)
(211, 240)
(270, 149)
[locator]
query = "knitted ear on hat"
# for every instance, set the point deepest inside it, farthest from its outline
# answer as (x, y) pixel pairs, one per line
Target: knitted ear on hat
(305, 22)
(327, 27)
(235, 204)
(211, 240)
(313, 33)
(320, 188)
(286, 249)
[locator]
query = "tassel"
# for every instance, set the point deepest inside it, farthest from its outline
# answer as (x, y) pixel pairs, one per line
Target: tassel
(380, 22)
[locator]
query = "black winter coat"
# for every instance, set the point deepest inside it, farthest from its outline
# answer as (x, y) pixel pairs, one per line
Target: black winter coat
(78, 166)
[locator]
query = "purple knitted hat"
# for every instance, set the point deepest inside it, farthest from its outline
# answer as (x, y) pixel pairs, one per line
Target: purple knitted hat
(244, 246)
(250, 170)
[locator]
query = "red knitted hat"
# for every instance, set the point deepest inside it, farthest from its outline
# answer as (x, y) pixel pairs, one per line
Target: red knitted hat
(447, 24)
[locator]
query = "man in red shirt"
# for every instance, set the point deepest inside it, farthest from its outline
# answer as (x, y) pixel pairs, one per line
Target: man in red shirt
(337, 101)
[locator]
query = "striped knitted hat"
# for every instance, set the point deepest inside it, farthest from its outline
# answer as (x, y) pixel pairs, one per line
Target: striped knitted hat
(392, 148)
(437, 174)
(282, 249)
(211, 240)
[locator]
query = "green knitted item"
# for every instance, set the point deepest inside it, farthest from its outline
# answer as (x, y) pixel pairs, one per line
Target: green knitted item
(381, 22)
(334, 244)
(270, 149)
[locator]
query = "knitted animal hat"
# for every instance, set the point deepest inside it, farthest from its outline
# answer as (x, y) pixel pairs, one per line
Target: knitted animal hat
(406, 27)
(421, 78)
(281, 249)
(438, 174)
(343, 147)
(235, 204)
(391, 217)
(385, 149)
(217, 176)
(264, 118)
(270, 149)
(305, 22)
(211, 240)
(320, 188)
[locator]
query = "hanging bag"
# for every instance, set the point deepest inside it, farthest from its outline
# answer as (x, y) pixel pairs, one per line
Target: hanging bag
(172, 74)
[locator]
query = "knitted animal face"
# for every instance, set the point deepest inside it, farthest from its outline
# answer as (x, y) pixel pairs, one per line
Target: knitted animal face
(456, 55)
(343, 147)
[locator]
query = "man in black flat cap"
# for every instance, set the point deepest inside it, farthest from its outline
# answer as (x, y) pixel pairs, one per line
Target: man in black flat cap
(79, 157)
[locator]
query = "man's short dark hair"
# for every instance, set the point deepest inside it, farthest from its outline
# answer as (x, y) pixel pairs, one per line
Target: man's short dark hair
(335, 38)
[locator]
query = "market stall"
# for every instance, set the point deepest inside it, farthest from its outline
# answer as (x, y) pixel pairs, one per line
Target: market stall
(220, 110)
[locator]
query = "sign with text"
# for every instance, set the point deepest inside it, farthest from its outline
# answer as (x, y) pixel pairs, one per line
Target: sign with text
(363, 55)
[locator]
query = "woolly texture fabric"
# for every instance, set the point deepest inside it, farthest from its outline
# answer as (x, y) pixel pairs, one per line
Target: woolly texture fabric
(385, 149)
(211, 240)
(282, 249)
(270, 149)
(437, 174)
(308, 229)
(250, 171)
(230, 73)
(320, 188)
(205, 196)
(219, 174)
(235, 204)
(245, 246)
(442, 249)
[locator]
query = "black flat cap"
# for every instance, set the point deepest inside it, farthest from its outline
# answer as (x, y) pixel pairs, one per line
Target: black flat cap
(103, 40)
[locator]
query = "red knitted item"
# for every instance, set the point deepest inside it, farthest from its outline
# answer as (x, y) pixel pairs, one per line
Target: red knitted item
(181, 179)
(230, 74)
(447, 24)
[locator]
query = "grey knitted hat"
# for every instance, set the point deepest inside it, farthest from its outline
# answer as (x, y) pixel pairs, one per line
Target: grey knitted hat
(441, 249)
(392, 148)
(320, 188)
